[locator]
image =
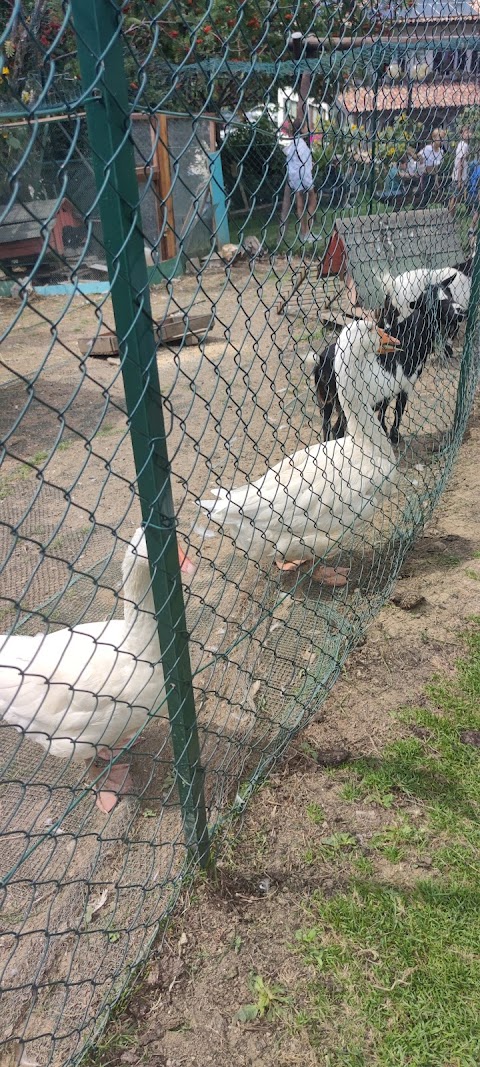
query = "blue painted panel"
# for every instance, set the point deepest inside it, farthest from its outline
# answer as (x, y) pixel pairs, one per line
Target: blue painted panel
(220, 213)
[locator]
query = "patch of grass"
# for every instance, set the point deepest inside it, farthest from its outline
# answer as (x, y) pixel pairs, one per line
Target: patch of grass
(351, 792)
(394, 841)
(39, 457)
(106, 429)
(113, 1043)
(396, 967)
(364, 866)
(58, 542)
(315, 813)
(331, 848)
(448, 560)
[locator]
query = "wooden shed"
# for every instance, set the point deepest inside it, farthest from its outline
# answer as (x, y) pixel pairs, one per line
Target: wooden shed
(367, 245)
(23, 229)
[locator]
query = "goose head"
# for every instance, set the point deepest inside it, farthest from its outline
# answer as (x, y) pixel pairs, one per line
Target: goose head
(361, 341)
(136, 556)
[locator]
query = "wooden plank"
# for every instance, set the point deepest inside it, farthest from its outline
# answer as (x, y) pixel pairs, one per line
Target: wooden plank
(22, 231)
(106, 344)
(21, 249)
(38, 210)
(173, 327)
(144, 172)
(169, 242)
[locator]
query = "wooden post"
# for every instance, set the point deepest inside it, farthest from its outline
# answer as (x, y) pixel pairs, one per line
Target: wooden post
(302, 102)
(168, 242)
(297, 43)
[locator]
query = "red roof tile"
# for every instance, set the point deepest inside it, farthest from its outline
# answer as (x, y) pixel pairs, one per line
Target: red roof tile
(395, 97)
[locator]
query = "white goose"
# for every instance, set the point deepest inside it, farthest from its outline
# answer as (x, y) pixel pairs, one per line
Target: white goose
(301, 508)
(85, 692)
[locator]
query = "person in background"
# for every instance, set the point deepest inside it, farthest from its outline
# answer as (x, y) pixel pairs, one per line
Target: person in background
(431, 158)
(460, 170)
(300, 180)
(473, 201)
(414, 167)
(414, 171)
(351, 185)
(394, 189)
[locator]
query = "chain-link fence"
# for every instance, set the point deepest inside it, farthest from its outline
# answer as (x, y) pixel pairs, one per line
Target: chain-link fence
(225, 234)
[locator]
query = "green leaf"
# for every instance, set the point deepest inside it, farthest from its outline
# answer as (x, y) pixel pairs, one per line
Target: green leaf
(247, 1013)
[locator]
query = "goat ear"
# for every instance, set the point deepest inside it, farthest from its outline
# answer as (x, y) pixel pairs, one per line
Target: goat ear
(448, 281)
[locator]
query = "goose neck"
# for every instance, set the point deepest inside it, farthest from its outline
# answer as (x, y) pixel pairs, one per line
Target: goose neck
(357, 401)
(139, 609)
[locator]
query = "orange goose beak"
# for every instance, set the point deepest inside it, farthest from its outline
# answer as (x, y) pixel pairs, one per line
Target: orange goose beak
(387, 343)
(186, 565)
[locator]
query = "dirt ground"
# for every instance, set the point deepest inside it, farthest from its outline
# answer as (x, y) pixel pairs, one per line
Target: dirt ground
(244, 923)
(264, 648)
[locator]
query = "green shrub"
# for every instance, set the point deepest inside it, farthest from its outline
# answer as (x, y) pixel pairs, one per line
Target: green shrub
(251, 154)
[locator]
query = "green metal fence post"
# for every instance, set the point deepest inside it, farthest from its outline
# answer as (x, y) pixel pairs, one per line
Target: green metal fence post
(97, 27)
(373, 160)
(465, 382)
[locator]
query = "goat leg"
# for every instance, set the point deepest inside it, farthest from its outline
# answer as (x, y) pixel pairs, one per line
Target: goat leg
(327, 416)
(400, 406)
(381, 412)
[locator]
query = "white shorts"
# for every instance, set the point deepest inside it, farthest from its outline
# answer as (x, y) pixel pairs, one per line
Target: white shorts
(299, 188)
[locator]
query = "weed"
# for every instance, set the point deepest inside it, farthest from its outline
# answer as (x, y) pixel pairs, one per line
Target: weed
(308, 750)
(39, 458)
(337, 842)
(268, 1000)
(364, 866)
(315, 813)
(351, 792)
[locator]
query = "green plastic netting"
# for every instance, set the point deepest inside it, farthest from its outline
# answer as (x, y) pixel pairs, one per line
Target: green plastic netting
(195, 201)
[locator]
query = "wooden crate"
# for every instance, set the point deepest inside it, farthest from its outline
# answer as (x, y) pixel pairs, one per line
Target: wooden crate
(106, 344)
(172, 329)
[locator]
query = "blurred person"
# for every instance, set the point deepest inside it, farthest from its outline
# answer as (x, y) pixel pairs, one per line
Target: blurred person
(393, 189)
(460, 169)
(473, 201)
(431, 157)
(300, 179)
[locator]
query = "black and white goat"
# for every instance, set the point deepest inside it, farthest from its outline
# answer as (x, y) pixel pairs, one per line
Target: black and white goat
(435, 316)
(403, 291)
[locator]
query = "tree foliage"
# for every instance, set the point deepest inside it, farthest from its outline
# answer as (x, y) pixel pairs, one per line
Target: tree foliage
(177, 40)
(253, 164)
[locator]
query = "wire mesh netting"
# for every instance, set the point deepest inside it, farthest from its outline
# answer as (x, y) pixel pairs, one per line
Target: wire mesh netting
(239, 306)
